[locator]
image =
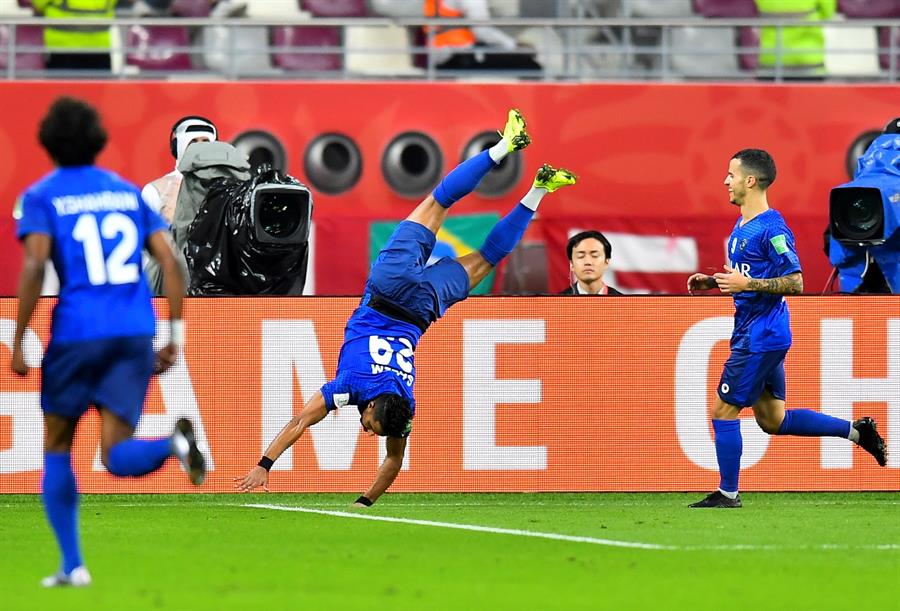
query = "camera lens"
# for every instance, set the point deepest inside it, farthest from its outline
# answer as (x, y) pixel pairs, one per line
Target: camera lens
(862, 216)
(279, 216)
(857, 214)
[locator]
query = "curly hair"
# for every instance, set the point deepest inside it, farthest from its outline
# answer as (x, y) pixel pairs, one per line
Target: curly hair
(72, 133)
(394, 413)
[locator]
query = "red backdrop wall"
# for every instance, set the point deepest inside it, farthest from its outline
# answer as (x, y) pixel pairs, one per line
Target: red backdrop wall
(651, 158)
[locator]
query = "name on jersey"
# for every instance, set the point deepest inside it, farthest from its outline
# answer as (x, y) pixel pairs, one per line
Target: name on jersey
(105, 201)
(741, 268)
(407, 378)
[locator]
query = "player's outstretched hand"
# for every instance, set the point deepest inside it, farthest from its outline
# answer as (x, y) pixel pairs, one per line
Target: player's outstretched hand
(731, 281)
(699, 282)
(18, 362)
(256, 478)
(165, 358)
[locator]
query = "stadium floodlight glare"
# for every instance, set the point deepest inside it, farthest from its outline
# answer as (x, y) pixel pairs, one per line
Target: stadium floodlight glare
(864, 218)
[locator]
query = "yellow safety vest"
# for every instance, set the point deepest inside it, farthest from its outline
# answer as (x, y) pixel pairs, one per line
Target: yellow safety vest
(802, 45)
(77, 36)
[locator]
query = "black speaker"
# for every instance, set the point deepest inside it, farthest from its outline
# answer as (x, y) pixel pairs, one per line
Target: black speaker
(502, 178)
(261, 148)
(333, 163)
(412, 164)
(856, 150)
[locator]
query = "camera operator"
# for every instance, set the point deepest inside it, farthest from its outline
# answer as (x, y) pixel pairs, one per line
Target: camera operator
(178, 195)
(161, 194)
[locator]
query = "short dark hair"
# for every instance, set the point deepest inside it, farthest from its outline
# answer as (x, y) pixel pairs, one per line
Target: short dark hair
(578, 238)
(759, 164)
(72, 133)
(394, 413)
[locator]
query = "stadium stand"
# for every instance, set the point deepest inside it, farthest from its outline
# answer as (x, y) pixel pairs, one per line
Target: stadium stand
(190, 8)
(29, 48)
(294, 48)
(878, 9)
(379, 51)
(335, 8)
(747, 37)
(578, 40)
(158, 47)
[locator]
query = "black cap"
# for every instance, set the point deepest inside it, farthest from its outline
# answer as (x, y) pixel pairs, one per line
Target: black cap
(893, 126)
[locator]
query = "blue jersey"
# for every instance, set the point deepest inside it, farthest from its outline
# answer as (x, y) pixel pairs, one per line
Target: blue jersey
(763, 247)
(376, 358)
(99, 224)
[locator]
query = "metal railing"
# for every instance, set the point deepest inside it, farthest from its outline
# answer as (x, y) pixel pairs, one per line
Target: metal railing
(568, 49)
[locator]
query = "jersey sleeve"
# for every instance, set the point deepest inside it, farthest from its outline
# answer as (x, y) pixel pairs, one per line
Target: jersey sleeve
(782, 250)
(338, 393)
(34, 217)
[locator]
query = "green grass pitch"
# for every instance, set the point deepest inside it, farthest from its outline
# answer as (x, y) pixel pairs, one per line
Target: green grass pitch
(463, 551)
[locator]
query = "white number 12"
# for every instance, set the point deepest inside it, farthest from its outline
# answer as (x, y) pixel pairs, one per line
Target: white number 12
(116, 269)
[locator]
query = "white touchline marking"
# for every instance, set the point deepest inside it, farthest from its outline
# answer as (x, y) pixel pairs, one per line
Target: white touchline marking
(588, 504)
(471, 527)
(574, 538)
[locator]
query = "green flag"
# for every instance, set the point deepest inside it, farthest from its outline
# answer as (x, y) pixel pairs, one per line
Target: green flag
(460, 235)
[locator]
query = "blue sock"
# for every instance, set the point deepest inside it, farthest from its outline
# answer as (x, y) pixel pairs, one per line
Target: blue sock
(463, 179)
(729, 447)
(506, 234)
(807, 423)
(135, 457)
(59, 493)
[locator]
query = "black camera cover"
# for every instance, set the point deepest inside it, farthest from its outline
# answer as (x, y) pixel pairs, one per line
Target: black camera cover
(233, 250)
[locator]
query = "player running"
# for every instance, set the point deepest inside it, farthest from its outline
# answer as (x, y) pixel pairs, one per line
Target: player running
(402, 297)
(93, 225)
(762, 268)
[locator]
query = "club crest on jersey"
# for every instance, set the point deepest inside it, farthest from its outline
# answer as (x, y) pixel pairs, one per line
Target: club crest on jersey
(743, 244)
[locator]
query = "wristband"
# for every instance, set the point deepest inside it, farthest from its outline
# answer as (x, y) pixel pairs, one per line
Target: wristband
(176, 332)
(364, 500)
(266, 463)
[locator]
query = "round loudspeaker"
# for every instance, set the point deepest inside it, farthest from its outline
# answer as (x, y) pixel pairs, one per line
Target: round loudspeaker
(332, 163)
(261, 147)
(502, 178)
(858, 148)
(412, 164)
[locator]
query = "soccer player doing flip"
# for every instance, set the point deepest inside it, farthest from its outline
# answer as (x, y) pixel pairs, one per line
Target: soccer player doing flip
(402, 297)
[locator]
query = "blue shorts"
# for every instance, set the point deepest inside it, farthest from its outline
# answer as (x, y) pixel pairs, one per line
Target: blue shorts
(109, 373)
(747, 374)
(401, 276)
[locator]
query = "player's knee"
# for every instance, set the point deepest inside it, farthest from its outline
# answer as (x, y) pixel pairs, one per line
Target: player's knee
(724, 411)
(768, 424)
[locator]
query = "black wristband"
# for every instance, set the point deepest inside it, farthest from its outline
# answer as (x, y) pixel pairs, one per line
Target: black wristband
(265, 462)
(364, 500)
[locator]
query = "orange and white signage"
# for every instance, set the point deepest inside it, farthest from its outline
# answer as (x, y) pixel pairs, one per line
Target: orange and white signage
(513, 394)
